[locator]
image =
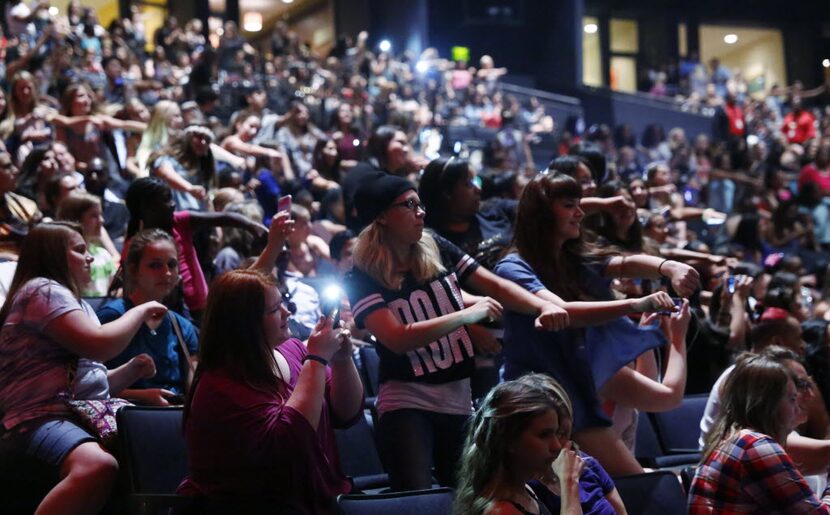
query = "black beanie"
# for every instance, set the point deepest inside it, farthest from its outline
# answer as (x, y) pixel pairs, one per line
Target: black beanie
(376, 193)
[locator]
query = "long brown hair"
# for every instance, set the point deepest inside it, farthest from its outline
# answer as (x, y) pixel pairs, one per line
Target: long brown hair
(43, 254)
(180, 148)
(232, 336)
(533, 235)
(749, 400)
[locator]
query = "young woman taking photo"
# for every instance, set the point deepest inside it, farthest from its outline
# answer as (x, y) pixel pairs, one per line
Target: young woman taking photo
(258, 421)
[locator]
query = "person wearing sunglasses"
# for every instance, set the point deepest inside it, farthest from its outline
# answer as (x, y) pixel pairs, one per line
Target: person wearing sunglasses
(406, 289)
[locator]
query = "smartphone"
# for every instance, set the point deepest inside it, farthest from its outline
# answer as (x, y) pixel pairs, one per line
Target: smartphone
(730, 284)
(678, 303)
(176, 399)
(284, 204)
(330, 300)
(334, 314)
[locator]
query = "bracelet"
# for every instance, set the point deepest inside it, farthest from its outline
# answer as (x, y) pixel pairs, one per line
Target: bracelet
(318, 359)
(660, 268)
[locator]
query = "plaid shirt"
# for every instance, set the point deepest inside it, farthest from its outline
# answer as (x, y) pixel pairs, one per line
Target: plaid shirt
(751, 473)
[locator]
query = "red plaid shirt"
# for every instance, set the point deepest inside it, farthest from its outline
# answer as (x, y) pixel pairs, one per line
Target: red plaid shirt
(751, 473)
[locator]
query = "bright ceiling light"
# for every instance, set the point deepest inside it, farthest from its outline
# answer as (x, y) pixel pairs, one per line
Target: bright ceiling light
(53, 11)
(591, 28)
(288, 1)
(730, 39)
(385, 45)
(252, 21)
(826, 63)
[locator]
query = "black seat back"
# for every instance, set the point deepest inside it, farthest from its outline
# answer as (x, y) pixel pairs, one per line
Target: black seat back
(654, 493)
(153, 449)
(437, 501)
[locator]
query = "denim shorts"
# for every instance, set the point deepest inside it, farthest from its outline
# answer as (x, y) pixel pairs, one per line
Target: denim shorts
(52, 441)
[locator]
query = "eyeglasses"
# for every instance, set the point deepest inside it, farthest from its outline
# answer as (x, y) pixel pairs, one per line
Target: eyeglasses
(803, 385)
(290, 305)
(412, 205)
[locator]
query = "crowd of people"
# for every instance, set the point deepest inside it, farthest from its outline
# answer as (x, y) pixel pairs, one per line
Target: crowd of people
(522, 312)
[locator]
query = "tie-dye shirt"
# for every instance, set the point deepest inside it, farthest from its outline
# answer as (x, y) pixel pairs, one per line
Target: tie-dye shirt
(34, 367)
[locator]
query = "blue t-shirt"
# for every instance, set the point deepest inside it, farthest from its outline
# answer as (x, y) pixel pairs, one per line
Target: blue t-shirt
(594, 485)
(267, 194)
(560, 354)
(448, 358)
(163, 347)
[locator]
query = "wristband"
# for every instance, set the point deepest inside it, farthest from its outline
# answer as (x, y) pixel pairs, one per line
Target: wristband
(318, 359)
(660, 268)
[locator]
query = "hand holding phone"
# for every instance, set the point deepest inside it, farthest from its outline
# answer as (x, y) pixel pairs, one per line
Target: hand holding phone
(284, 204)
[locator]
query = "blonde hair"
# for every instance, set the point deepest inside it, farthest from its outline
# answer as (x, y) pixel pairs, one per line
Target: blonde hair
(157, 134)
(13, 104)
(374, 256)
(225, 197)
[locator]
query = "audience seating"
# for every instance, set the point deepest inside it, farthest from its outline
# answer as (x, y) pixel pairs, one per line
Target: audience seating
(686, 476)
(653, 493)
(153, 457)
(650, 453)
(370, 373)
(679, 429)
(359, 457)
(437, 501)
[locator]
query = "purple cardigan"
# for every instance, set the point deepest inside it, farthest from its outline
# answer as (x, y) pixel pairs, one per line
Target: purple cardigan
(243, 442)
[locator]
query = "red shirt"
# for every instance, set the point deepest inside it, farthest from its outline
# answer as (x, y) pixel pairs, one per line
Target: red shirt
(812, 174)
(735, 115)
(799, 127)
(244, 443)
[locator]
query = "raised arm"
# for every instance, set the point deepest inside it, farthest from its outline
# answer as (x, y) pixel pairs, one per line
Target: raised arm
(80, 335)
(237, 146)
(203, 219)
(402, 338)
(166, 172)
(281, 226)
(684, 279)
(307, 397)
(631, 388)
(346, 394)
(551, 316)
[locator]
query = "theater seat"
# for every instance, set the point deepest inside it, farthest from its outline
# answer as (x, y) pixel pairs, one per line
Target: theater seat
(371, 370)
(654, 493)
(650, 453)
(437, 501)
(359, 457)
(153, 458)
(679, 429)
